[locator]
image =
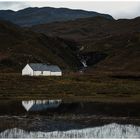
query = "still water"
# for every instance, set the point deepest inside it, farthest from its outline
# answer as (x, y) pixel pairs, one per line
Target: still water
(54, 119)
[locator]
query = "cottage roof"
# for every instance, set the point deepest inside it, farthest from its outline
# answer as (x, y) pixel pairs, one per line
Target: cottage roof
(44, 67)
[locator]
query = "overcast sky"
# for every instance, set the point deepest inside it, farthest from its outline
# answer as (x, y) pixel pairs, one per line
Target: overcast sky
(118, 9)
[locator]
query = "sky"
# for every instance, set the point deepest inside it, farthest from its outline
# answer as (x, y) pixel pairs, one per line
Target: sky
(118, 9)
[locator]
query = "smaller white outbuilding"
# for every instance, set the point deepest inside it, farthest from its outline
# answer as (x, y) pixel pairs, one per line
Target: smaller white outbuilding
(39, 69)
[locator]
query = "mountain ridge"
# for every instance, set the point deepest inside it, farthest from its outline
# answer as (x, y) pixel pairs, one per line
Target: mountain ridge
(33, 16)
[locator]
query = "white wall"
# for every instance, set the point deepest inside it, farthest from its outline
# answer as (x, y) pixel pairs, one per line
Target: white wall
(40, 73)
(56, 73)
(27, 70)
(47, 73)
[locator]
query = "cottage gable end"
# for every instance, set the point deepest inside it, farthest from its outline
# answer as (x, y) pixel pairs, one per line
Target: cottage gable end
(27, 70)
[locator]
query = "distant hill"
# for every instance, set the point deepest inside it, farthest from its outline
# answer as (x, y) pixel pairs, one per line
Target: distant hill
(105, 45)
(19, 47)
(34, 16)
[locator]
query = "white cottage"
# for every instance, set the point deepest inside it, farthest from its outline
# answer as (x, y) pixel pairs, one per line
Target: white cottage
(39, 69)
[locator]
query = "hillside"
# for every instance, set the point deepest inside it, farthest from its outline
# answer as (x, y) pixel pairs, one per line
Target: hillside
(34, 16)
(105, 45)
(109, 48)
(20, 46)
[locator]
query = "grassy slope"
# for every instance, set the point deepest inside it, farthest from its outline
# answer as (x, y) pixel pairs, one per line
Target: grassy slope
(19, 46)
(119, 40)
(70, 87)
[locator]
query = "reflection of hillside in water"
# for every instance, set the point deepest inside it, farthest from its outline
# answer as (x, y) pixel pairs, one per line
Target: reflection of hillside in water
(39, 105)
(106, 131)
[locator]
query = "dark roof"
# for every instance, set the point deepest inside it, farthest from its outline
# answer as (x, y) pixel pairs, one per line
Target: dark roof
(44, 67)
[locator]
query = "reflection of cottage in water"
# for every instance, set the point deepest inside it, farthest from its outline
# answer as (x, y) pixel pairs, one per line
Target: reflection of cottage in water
(39, 105)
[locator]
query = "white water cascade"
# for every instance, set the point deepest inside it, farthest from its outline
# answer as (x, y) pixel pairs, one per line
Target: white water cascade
(84, 63)
(107, 131)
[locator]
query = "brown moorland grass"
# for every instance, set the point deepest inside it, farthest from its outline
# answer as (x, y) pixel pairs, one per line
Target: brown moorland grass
(70, 87)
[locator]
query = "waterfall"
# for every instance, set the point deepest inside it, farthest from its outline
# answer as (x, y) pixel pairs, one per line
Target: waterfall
(84, 63)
